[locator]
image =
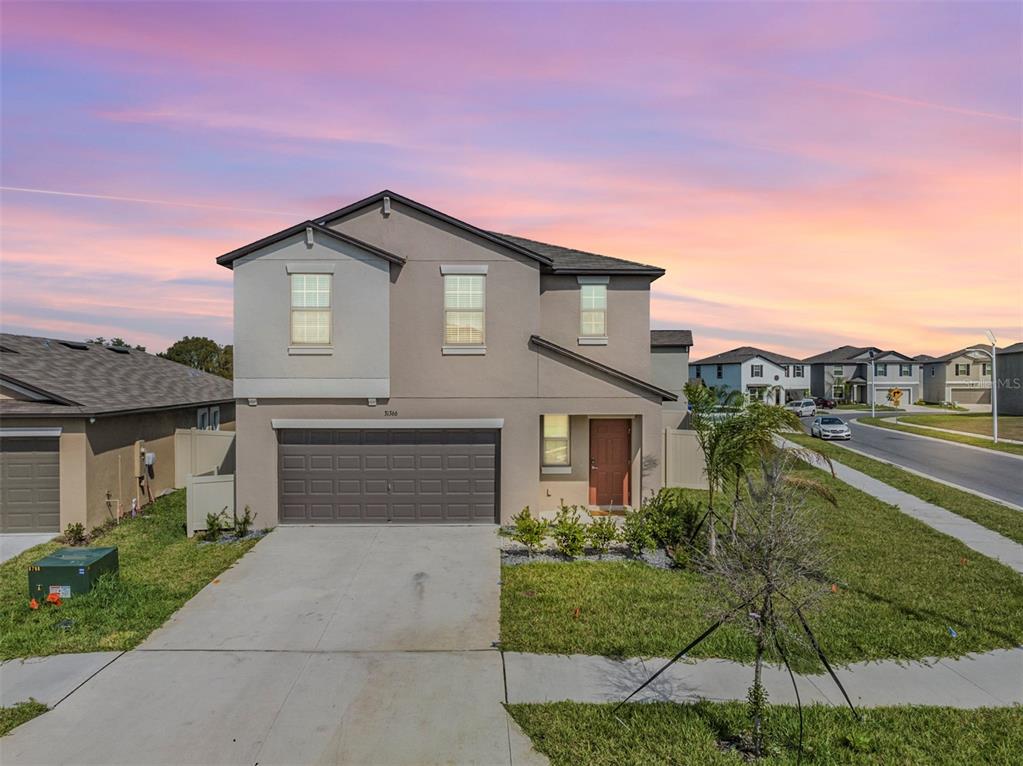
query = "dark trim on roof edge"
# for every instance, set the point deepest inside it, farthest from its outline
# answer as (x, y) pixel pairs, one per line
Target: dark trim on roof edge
(81, 411)
(536, 340)
(228, 258)
(41, 391)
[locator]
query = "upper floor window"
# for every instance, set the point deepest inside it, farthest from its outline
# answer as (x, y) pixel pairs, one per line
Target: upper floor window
(785, 369)
(464, 309)
(836, 370)
(720, 372)
(905, 370)
(698, 371)
(207, 418)
(985, 368)
(756, 371)
(593, 311)
(797, 370)
(881, 368)
(962, 369)
(556, 440)
(310, 309)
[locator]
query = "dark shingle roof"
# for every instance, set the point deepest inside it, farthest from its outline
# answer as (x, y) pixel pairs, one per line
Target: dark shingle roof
(96, 380)
(848, 354)
(741, 354)
(1015, 348)
(567, 260)
(954, 354)
(671, 338)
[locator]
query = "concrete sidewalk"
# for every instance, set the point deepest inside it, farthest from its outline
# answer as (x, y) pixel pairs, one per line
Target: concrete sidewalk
(49, 679)
(977, 537)
(976, 680)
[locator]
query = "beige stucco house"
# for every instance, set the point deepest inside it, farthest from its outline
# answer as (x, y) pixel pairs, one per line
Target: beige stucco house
(77, 421)
(393, 363)
(962, 376)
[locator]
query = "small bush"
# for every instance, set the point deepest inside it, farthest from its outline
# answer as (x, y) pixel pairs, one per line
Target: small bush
(215, 525)
(635, 532)
(74, 534)
(673, 518)
(601, 533)
(528, 531)
(243, 523)
(568, 531)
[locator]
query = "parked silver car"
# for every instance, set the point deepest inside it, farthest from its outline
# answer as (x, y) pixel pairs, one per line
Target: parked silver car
(830, 427)
(802, 407)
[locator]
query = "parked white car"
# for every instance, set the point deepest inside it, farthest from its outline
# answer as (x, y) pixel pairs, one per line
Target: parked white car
(830, 427)
(802, 407)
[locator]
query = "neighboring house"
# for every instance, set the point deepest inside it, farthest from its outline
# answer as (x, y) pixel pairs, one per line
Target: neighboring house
(1010, 380)
(76, 420)
(393, 363)
(758, 374)
(844, 374)
(962, 376)
(669, 369)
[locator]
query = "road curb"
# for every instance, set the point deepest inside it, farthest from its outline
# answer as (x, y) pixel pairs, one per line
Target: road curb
(986, 450)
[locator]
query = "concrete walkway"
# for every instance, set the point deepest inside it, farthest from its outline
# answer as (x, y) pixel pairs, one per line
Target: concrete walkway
(49, 679)
(15, 543)
(323, 645)
(977, 680)
(977, 537)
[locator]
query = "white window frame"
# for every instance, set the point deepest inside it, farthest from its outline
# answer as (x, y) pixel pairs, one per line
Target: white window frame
(837, 369)
(202, 418)
(756, 370)
(592, 286)
(215, 418)
(838, 392)
(881, 368)
(962, 374)
(905, 371)
(328, 310)
(452, 273)
(566, 439)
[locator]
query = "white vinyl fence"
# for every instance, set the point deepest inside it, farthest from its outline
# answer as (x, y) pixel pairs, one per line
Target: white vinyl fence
(683, 460)
(201, 452)
(211, 493)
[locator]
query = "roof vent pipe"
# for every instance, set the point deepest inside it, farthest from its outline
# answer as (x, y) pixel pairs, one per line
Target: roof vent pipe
(387, 206)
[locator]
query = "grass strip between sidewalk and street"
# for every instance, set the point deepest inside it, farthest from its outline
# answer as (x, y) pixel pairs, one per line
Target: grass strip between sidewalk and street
(999, 518)
(160, 569)
(902, 590)
(980, 423)
(17, 714)
(964, 438)
(571, 733)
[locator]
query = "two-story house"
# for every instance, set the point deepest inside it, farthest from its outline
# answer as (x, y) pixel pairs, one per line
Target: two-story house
(763, 375)
(669, 369)
(396, 364)
(846, 374)
(962, 376)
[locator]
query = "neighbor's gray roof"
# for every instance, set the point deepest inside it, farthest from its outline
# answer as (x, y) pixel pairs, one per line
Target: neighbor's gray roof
(567, 260)
(849, 354)
(1015, 348)
(96, 380)
(954, 354)
(670, 338)
(741, 354)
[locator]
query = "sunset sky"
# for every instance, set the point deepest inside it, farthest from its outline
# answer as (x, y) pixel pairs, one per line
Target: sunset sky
(809, 175)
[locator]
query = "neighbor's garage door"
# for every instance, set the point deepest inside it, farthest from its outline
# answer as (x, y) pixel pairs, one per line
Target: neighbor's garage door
(381, 475)
(971, 395)
(29, 484)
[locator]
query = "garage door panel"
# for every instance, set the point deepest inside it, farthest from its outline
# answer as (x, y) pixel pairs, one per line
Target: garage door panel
(382, 475)
(29, 484)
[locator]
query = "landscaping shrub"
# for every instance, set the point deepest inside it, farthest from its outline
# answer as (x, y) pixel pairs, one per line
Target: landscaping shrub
(215, 525)
(74, 534)
(673, 518)
(568, 531)
(243, 523)
(635, 531)
(601, 533)
(529, 531)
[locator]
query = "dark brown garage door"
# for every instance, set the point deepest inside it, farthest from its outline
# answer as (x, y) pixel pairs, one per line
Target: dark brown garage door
(29, 484)
(383, 475)
(971, 395)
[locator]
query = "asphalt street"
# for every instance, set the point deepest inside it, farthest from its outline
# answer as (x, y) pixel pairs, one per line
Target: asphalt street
(999, 476)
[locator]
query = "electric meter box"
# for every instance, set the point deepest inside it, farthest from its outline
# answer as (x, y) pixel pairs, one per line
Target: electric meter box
(70, 571)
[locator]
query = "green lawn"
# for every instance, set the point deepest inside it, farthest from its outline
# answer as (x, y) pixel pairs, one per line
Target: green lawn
(901, 586)
(995, 516)
(1009, 426)
(858, 406)
(571, 733)
(17, 714)
(976, 441)
(160, 570)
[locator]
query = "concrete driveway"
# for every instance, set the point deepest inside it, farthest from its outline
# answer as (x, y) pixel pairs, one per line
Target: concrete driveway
(323, 645)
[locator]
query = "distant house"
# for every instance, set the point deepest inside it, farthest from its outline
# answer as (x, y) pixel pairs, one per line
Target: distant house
(1010, 380)
(78, 420)
(962, 376)
(669, 369)
(844, 374)
(758, 374)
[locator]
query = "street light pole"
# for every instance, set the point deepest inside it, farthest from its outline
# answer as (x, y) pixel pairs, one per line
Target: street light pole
(873, 385)
(994, 384)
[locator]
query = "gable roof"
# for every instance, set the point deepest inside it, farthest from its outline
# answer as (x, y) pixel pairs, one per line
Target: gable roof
(624, 377)
(955, 354)
(741, 354)
(849, 354)
(553, 258)
(229, 258)
(72, 378)
(1015, 348)
(671, 338)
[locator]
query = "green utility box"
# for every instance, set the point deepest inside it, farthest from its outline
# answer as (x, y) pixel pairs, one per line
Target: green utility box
(70, 571)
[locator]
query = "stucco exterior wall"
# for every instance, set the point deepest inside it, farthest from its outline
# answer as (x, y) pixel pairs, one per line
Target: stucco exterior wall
(1010, 383)
(669, 369)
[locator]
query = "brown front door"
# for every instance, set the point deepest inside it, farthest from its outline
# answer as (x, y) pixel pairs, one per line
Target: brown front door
(610, 460)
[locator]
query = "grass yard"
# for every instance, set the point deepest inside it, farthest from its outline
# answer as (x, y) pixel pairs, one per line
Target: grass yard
(995, 516)
(964, 438)
(572, 733)
(160, 570)
(16, 715)
(861, 407)
(900, 587)
(1009, 426)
